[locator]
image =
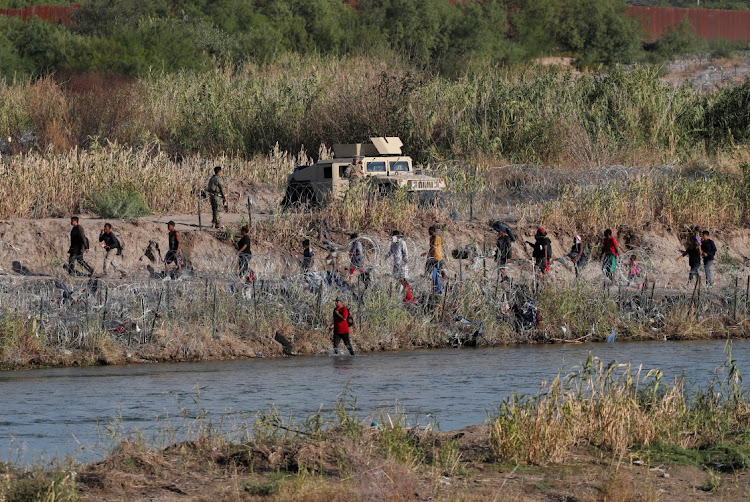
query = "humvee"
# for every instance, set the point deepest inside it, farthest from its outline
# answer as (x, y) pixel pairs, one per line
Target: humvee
(381, 162)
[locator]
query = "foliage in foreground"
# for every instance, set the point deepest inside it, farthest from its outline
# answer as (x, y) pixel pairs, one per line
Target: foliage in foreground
(618, 409)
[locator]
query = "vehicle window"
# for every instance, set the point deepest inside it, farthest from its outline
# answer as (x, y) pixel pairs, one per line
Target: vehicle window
(342, 171)
(399, 166)
(376, 167)
(327, 172)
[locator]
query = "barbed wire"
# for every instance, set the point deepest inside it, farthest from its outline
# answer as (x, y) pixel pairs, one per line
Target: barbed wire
(211, 293)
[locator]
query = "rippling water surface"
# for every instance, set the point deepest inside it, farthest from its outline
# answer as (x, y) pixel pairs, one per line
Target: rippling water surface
(51, 413)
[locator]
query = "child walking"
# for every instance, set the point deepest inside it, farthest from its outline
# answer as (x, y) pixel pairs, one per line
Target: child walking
(633, 270)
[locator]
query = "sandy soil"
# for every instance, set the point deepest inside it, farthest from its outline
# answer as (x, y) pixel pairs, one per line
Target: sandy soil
(40, 246)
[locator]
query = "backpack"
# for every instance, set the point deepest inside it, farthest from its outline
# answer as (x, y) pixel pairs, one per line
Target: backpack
(86, 243)
(119, 249)
(350, 319)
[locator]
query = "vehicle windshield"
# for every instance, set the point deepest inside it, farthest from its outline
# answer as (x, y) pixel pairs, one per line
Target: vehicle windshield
(376, 167)
(400, 166)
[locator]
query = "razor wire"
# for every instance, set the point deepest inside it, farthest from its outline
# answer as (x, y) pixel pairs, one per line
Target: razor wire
(210, 292)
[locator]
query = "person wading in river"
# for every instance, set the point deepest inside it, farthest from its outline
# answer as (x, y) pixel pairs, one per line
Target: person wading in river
(341, 322)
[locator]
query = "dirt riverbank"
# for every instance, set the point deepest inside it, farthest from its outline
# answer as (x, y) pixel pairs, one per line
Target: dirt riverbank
(34, 250)
(340, 468)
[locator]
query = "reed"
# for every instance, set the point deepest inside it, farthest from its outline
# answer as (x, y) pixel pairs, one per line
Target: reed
(618, 408)
(520, 114)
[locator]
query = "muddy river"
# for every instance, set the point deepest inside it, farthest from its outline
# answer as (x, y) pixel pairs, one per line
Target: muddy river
(48, 414)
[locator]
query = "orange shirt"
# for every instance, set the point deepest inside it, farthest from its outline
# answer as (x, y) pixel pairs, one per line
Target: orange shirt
(436, 248)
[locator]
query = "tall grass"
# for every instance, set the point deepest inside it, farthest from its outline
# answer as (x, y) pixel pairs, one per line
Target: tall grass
(617, 408)
(74, 181)
(524, 114)
(713, 201)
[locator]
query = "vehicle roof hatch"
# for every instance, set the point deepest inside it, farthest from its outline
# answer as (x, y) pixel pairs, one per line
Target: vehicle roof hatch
(387, 146)
(379, 146)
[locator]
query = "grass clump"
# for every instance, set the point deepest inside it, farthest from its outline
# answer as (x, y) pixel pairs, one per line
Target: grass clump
(617, 409)
(37, 485)
(119, 201)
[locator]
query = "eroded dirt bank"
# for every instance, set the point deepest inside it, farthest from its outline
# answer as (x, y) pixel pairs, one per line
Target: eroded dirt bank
(33, 252)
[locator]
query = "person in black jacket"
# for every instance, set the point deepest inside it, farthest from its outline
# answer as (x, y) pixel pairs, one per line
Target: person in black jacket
(541, 252)
(504, 248)
(78, 245)
(708, 251)
(112, 249)
(693, 252)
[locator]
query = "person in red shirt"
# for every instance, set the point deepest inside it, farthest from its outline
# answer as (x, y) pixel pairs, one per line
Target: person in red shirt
(340, 327)
(610, 252)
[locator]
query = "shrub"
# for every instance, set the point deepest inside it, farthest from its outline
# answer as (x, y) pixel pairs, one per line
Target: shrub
(120, 201)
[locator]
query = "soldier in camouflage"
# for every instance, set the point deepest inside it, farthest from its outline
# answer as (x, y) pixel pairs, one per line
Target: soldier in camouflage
(215, 192)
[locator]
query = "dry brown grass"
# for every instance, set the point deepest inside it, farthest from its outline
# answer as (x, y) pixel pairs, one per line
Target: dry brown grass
(63, 182)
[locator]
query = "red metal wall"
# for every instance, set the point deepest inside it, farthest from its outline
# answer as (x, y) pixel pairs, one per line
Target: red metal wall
(707, 23)
(53, 14)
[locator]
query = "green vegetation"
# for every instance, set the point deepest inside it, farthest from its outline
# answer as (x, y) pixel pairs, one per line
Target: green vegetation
(119, 201)
(527, 115)
(137, 37)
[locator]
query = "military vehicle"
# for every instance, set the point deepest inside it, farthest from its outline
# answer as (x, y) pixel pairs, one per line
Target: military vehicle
(380, 162)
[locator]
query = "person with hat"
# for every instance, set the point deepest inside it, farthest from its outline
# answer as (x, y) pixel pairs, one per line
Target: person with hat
(340, 326)
(541, 251)
(578, 255)
(693, 252)
(174, 254)
(708, 251)
(215, 190)
(504, 251)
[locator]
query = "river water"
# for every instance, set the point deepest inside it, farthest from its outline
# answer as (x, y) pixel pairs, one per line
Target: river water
(51, 413)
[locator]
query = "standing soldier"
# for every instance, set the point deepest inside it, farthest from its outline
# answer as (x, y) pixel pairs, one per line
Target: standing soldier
(175, 252)
(78, 245)
(111, 247)
(215, 191)
(353, 172)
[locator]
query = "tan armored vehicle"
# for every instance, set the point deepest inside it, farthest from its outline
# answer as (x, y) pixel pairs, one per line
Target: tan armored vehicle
(379, 162)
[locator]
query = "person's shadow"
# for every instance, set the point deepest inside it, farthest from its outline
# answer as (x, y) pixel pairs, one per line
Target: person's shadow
(20, 269)
(153, 274)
